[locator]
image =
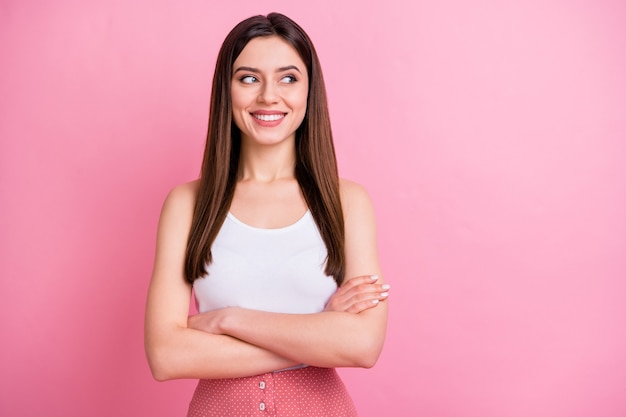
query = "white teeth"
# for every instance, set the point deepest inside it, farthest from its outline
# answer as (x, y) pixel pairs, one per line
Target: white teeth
(269, 117)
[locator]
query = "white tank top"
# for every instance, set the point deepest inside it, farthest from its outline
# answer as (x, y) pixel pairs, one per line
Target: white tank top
(277, 270)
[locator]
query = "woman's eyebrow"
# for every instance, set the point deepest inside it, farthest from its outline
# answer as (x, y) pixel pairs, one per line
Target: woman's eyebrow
(247, 69)
(287, 68)
(256, 70)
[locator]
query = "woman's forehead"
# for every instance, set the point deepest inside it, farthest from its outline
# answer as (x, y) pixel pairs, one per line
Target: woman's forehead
(269, 53)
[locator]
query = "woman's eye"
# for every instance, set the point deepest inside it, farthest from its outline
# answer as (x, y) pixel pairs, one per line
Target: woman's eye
(248, 79)
(288, 79)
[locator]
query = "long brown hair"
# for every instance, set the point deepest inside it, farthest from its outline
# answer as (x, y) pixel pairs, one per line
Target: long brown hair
(316, 164)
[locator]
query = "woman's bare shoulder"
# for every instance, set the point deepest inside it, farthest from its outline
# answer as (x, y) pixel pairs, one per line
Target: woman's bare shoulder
(182, 198)
(185, 192)
(353, 195)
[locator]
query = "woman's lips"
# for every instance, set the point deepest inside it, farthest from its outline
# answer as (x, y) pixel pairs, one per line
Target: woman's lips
(268, 118)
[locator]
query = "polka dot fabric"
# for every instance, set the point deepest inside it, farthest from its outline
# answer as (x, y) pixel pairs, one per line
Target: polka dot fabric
(305, 392)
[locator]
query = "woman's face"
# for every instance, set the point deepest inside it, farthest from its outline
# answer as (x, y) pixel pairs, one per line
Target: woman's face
(269, 89)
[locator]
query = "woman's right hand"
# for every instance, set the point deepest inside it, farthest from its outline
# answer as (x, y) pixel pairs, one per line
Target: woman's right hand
(358, 294)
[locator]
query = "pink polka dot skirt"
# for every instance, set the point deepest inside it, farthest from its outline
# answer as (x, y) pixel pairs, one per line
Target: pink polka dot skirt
(305, 392)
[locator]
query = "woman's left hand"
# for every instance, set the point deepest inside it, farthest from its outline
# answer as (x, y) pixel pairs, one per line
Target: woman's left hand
(209, 322)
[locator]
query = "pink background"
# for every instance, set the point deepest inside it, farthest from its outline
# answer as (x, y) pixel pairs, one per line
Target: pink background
(492, 138)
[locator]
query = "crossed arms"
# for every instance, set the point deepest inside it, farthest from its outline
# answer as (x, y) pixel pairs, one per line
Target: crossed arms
(237, 342)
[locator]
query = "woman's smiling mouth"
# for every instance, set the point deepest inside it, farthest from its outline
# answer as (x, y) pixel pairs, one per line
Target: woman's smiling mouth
(268, 117)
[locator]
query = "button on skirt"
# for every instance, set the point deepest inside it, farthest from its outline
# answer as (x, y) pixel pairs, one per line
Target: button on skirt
(305, 392)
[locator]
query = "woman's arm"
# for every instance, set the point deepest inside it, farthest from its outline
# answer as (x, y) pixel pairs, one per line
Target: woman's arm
(173, 349)
(330, 338)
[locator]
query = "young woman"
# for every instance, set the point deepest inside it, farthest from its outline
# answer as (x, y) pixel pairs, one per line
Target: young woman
(280, 252)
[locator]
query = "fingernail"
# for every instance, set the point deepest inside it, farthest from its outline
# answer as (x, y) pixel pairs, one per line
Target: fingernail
(386, 286)
(384, 294)
(374, 277)
(375, 301)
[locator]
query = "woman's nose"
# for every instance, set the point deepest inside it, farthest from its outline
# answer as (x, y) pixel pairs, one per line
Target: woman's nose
(268, 93)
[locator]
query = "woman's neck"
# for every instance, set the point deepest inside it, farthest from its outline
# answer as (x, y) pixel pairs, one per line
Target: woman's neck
(267, 163)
